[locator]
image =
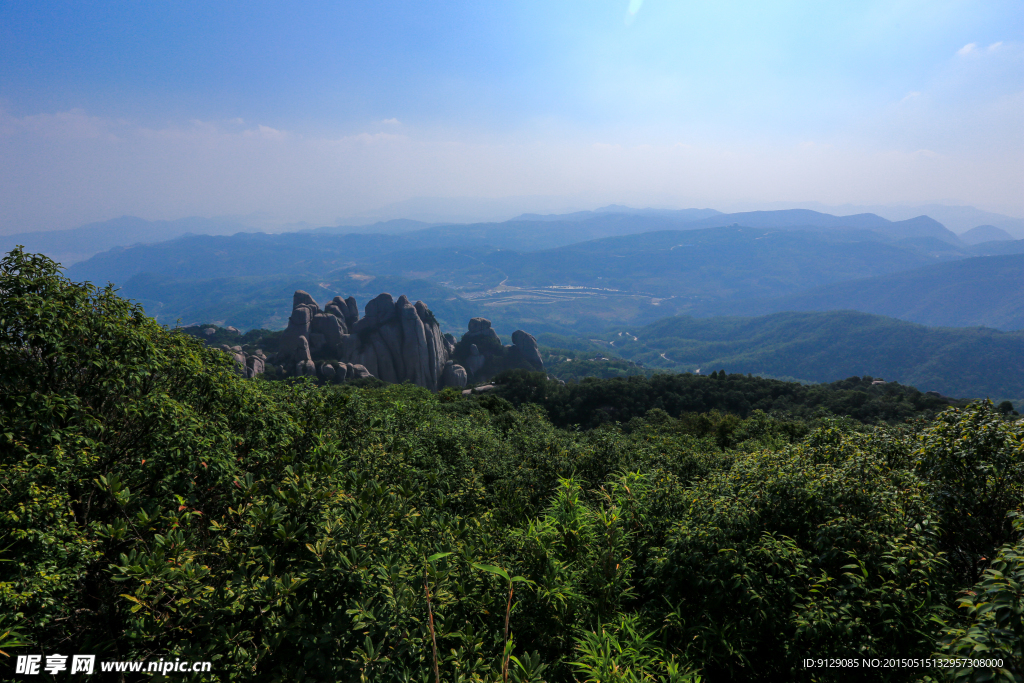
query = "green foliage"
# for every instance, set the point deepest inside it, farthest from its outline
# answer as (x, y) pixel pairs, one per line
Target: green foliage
(592, 402)
(975, 460)
(993, 618)
(573, 366)
(155, 503)
(617, 653)
(826, 547)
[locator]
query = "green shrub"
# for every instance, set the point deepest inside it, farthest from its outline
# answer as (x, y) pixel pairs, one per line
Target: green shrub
(993, 618)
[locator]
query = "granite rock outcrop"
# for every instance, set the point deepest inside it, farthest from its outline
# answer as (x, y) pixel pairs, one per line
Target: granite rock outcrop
(483, 356)
(247, 364)
(394, 341)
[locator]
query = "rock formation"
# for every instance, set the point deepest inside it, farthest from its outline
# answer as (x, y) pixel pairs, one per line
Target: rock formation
(483, 356)
(394, 341)
(248, 364)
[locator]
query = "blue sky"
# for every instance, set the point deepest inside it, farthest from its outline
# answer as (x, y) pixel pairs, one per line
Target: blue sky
(310, 111)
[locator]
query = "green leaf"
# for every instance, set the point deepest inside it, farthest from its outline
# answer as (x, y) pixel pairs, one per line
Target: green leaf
(494, 570)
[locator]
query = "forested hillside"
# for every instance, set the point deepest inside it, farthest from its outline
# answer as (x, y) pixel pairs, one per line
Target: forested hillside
(985, 291)
(156, 504)
(825, 347)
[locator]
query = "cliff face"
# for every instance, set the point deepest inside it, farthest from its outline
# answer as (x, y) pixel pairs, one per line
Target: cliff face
(395, 341)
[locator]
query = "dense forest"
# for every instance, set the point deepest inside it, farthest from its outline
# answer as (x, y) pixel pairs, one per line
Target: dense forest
(154, 504)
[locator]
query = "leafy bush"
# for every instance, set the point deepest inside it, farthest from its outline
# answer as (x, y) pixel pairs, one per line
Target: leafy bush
(993, 620)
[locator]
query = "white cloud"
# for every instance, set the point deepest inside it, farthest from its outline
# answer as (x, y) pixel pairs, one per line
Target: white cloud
(995, 46)
(268, 133)
(392, 122)
(73, 123)
(967, 49)
(910, 96)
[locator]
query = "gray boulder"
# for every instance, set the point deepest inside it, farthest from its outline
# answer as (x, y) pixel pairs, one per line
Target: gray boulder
(340, 372)
(379, 310)
(395, 341)
(437, 350)
(454, 375)
(302, 352)
(525, 345)
(330, 326)
(363, 354)
(357, 371)
(338, 312)
(449, 343)
(352, 314)
(385, 361)
(398, 341)
(304, 366)
(482, 334)
(416, 355)
(298, 328)
(475, 361)
(391, 335)
(303, 298)
(254, 366)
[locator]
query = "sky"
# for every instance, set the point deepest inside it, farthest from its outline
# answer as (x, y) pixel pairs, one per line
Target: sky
(318, 111)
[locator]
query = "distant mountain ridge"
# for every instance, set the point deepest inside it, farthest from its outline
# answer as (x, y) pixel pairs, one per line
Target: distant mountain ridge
(959, 219)
(921, 226)
(677, 214)
(985, 233)
(565, 276)
(523, 232)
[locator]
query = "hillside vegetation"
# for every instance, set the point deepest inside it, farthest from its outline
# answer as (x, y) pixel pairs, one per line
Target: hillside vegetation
(825, 347)
(986, 291)
(156, 504)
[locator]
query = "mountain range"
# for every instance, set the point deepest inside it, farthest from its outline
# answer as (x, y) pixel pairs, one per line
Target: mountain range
(579, 273)
(584, 273)
(78, 244)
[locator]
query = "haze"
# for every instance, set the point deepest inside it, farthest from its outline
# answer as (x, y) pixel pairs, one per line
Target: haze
(321, 112)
